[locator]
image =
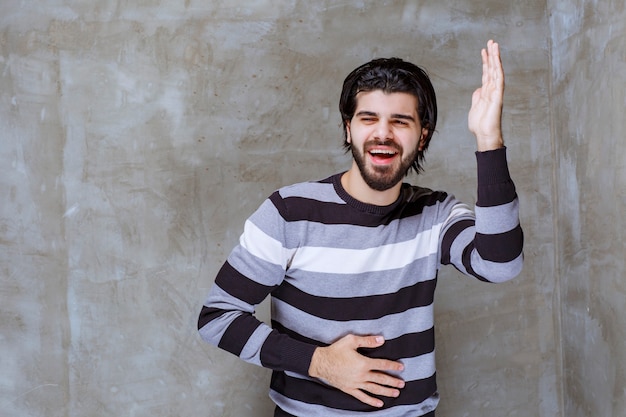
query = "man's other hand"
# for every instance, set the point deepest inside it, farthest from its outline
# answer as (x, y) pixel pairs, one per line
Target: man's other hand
(343, 367)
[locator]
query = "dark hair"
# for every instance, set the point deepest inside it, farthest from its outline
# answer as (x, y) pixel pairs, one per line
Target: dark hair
(391, 75)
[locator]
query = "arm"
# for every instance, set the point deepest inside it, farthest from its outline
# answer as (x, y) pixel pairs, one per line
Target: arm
(489, 245)
(340, 364)
(253, 269)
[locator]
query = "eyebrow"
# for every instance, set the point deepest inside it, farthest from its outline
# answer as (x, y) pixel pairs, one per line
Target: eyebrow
(393, 116)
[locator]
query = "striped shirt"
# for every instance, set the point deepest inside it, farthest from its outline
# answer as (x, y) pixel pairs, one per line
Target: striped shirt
(336, 266)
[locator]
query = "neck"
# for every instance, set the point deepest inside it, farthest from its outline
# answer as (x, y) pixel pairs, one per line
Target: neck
(355, 185)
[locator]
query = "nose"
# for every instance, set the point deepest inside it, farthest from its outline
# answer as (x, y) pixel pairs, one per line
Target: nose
(383, 130)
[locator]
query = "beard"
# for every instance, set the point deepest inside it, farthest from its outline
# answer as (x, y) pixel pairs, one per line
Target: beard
(382, 178)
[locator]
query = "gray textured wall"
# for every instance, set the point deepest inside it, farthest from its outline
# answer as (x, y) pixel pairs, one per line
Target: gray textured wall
(136, 137)
(588, 102)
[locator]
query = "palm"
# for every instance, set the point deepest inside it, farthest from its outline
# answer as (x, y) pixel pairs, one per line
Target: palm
(484, 118)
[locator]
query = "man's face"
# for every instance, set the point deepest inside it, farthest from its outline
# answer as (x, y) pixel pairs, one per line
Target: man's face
(385, 134)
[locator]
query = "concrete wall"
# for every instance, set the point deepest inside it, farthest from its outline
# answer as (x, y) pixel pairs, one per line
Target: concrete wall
(136, 137)
(588, 101)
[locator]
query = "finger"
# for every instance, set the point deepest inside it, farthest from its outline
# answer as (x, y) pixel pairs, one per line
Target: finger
(386, 365)
(367, 341)
(485, 59)
(496, 64)
(493, 58)
(385, 380)
(476, 96)
(381, 390)
(364, 398)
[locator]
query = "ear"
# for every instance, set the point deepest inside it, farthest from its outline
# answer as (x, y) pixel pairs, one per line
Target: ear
(348, 136)
(422, 142)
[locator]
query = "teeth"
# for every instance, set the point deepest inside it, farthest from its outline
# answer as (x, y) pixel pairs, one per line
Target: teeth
(382, 152)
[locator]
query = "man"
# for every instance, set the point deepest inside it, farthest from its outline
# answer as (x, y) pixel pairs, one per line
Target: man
(351, 261)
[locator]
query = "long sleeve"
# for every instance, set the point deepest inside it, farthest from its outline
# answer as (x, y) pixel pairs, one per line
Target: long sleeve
(255, 267)
(334, 266)
(489, 244)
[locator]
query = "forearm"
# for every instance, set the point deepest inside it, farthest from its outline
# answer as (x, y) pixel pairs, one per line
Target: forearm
(499, 238)
(227, 320)
(488, 243)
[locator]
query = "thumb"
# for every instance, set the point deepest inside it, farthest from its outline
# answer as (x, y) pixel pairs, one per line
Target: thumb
(476, 95)
(369, 341)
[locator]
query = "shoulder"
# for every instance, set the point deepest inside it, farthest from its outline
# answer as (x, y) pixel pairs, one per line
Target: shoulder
(320, 190)
(303, 200)
(425, 202)
(414, 194)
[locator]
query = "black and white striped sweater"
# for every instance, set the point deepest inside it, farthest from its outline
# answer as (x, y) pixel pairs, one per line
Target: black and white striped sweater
(335, 266)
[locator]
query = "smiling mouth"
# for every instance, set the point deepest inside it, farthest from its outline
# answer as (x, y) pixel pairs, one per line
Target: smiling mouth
(382, 155)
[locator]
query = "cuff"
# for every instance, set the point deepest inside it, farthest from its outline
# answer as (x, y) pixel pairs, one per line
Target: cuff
(282, 353)
(492, 167)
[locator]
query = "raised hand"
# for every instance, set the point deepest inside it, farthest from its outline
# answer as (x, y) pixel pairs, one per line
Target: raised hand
(485, 115)
(341, 366)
